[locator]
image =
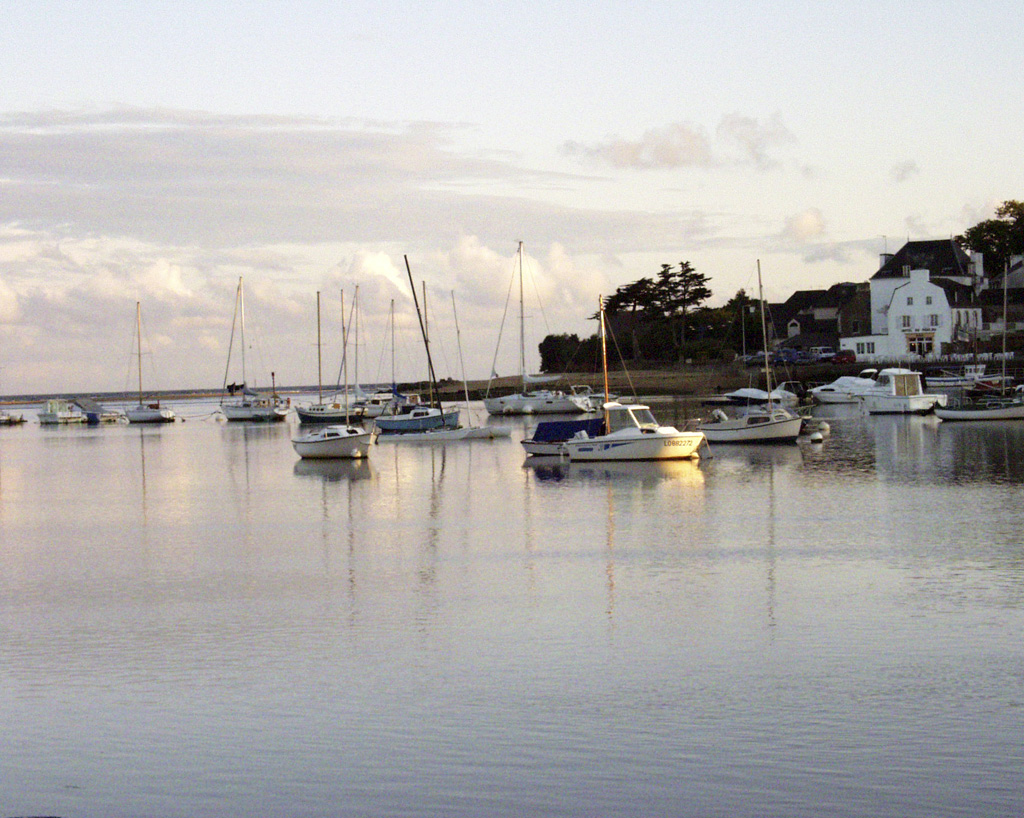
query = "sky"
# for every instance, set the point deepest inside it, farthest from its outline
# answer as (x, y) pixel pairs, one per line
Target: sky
(158, 152)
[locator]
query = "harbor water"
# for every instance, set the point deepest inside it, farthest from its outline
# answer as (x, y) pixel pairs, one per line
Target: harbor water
(194, 622)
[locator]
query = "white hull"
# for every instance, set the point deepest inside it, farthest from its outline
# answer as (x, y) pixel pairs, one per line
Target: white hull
(536, 448)
(993, 411)
(901, 404)
(538, 403)
(256, 412)
(149, 414)
(333, 442)
(777, 427)
(664, 444)
(441, 435)
(324, 413)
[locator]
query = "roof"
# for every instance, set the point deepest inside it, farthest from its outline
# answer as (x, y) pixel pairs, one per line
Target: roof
(940, 257)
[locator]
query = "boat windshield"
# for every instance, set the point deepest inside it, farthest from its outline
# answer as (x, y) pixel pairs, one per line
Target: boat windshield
(643, 418)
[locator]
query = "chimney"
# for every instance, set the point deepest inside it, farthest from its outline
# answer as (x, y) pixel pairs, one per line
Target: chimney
(883, 259)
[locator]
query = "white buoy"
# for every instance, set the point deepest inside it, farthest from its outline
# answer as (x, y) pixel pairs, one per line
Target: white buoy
(816, 437)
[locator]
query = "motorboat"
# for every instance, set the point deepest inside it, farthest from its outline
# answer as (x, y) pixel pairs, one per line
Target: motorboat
(333, 442)
(845, 389)
(969, 376)
(758, 424)
(549, 436)
(750, 396)
(59, 411)
(631, 432)
(898, 391)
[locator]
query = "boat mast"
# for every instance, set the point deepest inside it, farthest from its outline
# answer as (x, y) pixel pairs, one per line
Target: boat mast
(462, 363)
(319, 359)
(344, 354)
(604, 364)
(426, 343)
(241, 312)
(138, 326)
(522, 324)
(764, 336)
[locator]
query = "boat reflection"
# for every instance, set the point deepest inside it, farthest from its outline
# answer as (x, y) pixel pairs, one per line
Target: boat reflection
(333, 471)
(644, 472)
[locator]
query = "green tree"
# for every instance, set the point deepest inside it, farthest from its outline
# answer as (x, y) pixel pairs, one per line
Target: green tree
(677, 292)
(999, 238)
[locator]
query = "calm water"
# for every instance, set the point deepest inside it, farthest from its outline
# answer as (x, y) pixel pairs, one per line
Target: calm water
(193, 622)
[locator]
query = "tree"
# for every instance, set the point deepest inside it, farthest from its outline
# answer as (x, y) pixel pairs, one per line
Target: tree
(999, 238)
(679, 291)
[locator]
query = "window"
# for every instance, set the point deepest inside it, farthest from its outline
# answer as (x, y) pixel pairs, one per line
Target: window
(933, 320)
(910, 300)
(871, 348)
(860, 349)
(928, 299)
(906, 322)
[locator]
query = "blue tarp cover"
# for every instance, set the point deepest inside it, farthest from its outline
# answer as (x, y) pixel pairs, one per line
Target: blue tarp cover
(552, 430)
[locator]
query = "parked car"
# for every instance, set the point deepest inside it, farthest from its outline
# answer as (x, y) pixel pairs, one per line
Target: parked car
(844, 356)
(822, 353)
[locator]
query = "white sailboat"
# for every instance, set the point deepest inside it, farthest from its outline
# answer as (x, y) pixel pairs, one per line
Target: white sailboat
(532, 401)
(336, 440)
(333, 411)
(631, 431)
(250, 405)
(770, 422)
(145, 412)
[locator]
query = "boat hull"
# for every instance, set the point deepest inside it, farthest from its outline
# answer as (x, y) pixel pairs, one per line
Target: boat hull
(256, 413)
(333, 442)
(785, 430)
(417, 422)
(901, 404)
(655, 445)
(325, 413)
(538, 403)
(1009, 411)
(149, 414)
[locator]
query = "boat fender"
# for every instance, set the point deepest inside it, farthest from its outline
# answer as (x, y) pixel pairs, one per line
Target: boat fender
(718, 416)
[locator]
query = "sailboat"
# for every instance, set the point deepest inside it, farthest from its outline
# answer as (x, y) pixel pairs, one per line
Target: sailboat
(1000, 406)
(419, 417)
(332, 411)
(770, 422)
(532, 401)
(631, 431)
(336, 440)
(145, 412)
(250, 405)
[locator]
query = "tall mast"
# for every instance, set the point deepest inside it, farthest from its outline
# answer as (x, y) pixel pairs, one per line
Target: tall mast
(426, 343)
(241, 312)
(522, 323)
(319, 360)
(764, 336)
(604, 363)
(355, 310)
(344, 353)
(138, 326)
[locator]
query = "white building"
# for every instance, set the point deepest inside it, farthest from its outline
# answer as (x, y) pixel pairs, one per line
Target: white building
(919, 311)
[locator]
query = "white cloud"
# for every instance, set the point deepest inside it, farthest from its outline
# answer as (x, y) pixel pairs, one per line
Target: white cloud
(671, 146)
(805, 226)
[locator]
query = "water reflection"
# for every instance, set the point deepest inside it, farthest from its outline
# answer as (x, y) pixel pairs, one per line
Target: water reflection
(334, 470)
(644, 473)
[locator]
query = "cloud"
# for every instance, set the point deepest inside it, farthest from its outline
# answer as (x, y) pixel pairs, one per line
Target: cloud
(805, 226)
(683, 145)
(672, 146)
(754, 138)
(903, 171)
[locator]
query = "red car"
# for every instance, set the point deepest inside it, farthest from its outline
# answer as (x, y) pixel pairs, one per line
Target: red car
(844, 356)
